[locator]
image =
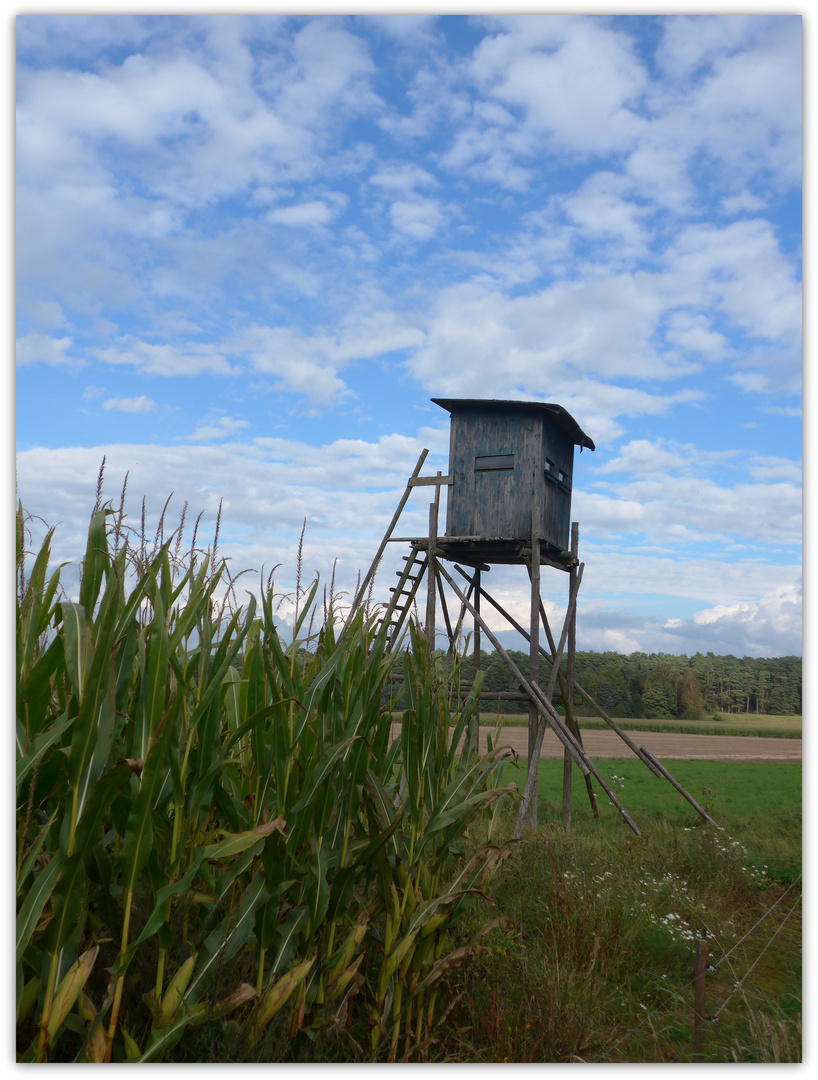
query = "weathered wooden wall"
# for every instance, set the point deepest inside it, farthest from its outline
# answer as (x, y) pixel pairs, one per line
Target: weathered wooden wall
(497, 502)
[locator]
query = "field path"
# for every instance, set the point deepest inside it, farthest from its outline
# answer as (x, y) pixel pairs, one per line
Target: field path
(667, 747)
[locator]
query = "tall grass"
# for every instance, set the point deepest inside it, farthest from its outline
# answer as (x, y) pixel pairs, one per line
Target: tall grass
(597, 959)
(218, 844)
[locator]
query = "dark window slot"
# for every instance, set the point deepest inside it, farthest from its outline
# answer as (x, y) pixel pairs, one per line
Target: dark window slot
(494, 461)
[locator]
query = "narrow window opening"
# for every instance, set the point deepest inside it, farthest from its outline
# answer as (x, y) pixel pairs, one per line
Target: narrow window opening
(549, 466)
(494, 461)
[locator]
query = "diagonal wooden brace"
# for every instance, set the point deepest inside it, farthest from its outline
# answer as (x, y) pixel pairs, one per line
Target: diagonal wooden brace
(548, 715)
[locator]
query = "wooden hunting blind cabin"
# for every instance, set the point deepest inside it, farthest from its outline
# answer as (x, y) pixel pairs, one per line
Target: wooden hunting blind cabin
(511, 466)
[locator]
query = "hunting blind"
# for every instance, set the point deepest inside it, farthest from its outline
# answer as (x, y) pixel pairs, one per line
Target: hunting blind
(511, 467)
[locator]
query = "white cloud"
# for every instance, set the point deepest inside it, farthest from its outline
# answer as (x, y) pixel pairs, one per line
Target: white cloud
(742, 271)
(645, 456)
(743, 203)
(770, 626)
(575, 80)
(302, 215)
(418, 219)
(689, 45)
(329, 76)
(762, 467)
(58, 37)
(774, 371)
(168, 360)
(783, 410)
(310, 365)
(566, 341)
(141, 404)
(401, 177)
(220, 428)
(696, 509)
(693, 333)
(36, 348)
(601, 209)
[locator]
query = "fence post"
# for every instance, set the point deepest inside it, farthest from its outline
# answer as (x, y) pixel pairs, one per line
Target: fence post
(698, 1003)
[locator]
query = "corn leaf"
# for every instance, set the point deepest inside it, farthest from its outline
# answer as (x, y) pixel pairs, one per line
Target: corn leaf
(34, 902)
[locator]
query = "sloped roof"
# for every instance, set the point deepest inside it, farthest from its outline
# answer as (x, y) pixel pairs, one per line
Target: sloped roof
(560, 415)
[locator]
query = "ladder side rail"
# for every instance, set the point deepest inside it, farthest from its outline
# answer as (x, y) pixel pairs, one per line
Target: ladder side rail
(403, 576)
(403, 609)
(356, 603)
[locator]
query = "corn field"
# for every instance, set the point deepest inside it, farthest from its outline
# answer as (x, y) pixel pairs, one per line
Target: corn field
(215, 827)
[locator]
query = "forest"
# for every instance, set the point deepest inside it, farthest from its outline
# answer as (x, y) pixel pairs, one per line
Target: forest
(659, 685)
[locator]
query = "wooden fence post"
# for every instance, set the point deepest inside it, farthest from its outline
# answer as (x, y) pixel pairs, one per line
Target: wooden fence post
(698, 1002)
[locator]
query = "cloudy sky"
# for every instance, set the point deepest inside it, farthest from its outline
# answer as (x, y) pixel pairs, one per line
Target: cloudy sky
(251, 248)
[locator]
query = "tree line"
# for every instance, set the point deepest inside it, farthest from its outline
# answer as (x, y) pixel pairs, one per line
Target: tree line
(663, 685)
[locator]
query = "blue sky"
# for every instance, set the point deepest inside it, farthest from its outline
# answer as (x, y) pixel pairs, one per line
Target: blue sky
(251, 248)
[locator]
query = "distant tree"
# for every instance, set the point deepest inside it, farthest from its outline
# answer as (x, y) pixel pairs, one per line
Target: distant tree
(660, 693)
(653, 685)
(691, 702)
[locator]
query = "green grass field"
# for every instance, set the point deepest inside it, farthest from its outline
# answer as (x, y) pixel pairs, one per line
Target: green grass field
(774, 727)
(738, 789)
(596, 961)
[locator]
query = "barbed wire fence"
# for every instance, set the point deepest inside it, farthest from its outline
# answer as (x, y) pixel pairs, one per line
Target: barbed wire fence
(647, 1018)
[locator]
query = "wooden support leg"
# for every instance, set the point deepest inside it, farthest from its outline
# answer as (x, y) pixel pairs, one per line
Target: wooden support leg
(534, 661)
(463, 612)
(549, 715)
(568, 685)
(445, 609)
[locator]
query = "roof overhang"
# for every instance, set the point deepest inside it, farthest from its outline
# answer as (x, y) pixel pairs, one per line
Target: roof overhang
(560, 415)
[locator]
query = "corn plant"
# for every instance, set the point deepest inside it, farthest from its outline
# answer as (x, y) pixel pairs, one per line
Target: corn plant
(212, 822)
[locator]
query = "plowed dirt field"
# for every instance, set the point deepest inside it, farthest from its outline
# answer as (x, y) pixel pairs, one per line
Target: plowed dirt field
(607, 744)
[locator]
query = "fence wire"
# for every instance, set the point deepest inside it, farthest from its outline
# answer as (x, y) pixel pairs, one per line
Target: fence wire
(712, 967)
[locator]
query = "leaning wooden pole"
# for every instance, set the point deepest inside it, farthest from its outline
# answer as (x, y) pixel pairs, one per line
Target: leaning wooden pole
(641, 752)
(549, 714)
(529, 792)
(567, 699)
(356, 603)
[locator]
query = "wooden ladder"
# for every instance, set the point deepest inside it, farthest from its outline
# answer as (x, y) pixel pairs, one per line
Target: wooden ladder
(403, 595)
